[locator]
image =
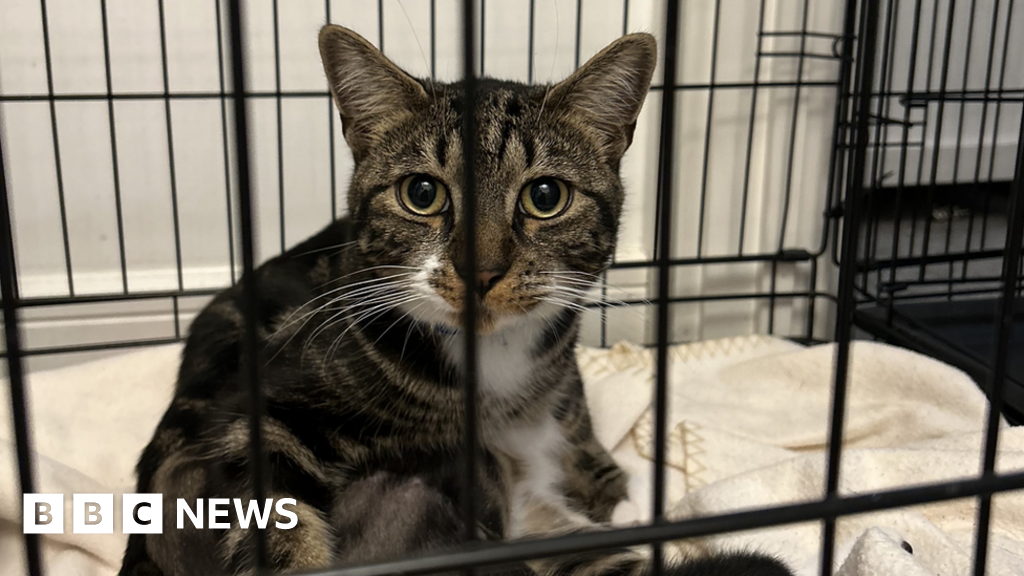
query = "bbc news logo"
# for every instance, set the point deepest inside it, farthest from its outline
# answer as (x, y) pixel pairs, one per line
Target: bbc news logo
(143, 513)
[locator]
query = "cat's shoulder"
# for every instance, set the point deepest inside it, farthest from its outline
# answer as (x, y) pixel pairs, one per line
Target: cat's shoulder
(284, 283)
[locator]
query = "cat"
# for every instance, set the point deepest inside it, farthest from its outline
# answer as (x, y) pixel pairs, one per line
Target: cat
(361, 340)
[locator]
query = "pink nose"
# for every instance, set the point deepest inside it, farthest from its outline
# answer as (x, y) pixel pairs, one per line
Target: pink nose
(487, 279)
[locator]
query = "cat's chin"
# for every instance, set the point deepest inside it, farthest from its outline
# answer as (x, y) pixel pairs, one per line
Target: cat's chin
(487, 323)
(447, 320)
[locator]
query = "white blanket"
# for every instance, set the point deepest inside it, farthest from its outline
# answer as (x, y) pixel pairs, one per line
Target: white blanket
(748, 422)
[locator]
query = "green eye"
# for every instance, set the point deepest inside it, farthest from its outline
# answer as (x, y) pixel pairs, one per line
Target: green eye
(544, 198)
(423, 195)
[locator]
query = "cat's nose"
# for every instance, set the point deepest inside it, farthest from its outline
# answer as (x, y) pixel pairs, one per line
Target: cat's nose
(487, 279)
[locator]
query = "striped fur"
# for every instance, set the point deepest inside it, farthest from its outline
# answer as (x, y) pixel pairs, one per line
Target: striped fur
(361, 349)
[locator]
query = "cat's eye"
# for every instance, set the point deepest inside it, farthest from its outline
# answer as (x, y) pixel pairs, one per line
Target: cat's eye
(423, 195)
(544, 198)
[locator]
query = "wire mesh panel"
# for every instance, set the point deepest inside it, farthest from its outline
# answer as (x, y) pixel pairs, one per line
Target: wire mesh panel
(946, 128)
(143, 225)
(730, 161)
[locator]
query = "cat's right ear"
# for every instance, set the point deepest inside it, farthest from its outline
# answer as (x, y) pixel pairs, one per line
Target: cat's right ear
(369, 90)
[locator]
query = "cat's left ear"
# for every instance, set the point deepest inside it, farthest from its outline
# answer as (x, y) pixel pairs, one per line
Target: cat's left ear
(608, 91)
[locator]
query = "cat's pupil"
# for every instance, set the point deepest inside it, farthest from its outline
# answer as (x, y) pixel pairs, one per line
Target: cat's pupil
(545, 195)
(422, 192)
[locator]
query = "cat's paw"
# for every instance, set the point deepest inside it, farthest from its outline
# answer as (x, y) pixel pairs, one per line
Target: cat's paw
(735, 564)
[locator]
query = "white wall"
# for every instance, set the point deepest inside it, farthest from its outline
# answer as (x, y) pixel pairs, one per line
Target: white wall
(201, 183)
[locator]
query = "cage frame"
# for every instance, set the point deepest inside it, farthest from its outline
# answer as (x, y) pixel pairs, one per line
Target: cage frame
(856, 94)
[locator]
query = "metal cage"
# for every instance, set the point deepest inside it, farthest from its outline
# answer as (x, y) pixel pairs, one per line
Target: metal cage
(939, 214)
(879, 279)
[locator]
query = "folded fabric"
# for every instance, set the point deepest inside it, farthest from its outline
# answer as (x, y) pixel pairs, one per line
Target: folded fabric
(748, 421)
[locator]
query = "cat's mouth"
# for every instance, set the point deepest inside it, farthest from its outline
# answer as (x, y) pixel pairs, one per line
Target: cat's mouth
(437, 297)
(445, 313)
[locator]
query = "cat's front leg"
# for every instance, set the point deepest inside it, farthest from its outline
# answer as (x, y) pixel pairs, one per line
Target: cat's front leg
(309, 543)
(539, 509)
(594, 483)
(299, 538)
(591, 479)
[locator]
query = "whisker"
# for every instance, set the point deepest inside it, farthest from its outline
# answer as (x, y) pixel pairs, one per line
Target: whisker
(408, 332)
(364, 291)
(563, 302)
(595, 297)
(400, 318)
(416, 37)
(357, 309)
(380, 284)
(362, 307)
(377, 284)
(347, 312)
(574, 282)
(566, 297)
(376, 312)
(343, 246)
(370, 269)
(570, 272)
(316, 332)
(596, 288)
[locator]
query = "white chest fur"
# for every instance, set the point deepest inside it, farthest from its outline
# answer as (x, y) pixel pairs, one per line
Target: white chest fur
(504, 358)
(537, 447)
(537, 450)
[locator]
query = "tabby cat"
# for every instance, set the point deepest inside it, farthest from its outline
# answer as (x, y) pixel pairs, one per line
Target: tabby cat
(361, 347)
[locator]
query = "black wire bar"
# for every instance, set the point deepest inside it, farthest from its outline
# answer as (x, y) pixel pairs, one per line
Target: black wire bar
(229, 212)
(57, 165)
(904, 141)
(666, 154)
(958, 148)
(848, 269)
(599, 305)
(788, 255)
(469, 270)
(1003, 331)
(314, 94)
(801, 57)
(989, 71)
(493, 554)
(881, 133)
(171, 168)
(249, 362)
(15, 367)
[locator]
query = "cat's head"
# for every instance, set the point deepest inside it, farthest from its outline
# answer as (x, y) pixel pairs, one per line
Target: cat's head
(547, 180)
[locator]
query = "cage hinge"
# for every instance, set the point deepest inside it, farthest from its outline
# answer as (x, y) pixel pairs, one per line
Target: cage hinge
(892, 287)
(793, 255)
(835, 212)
